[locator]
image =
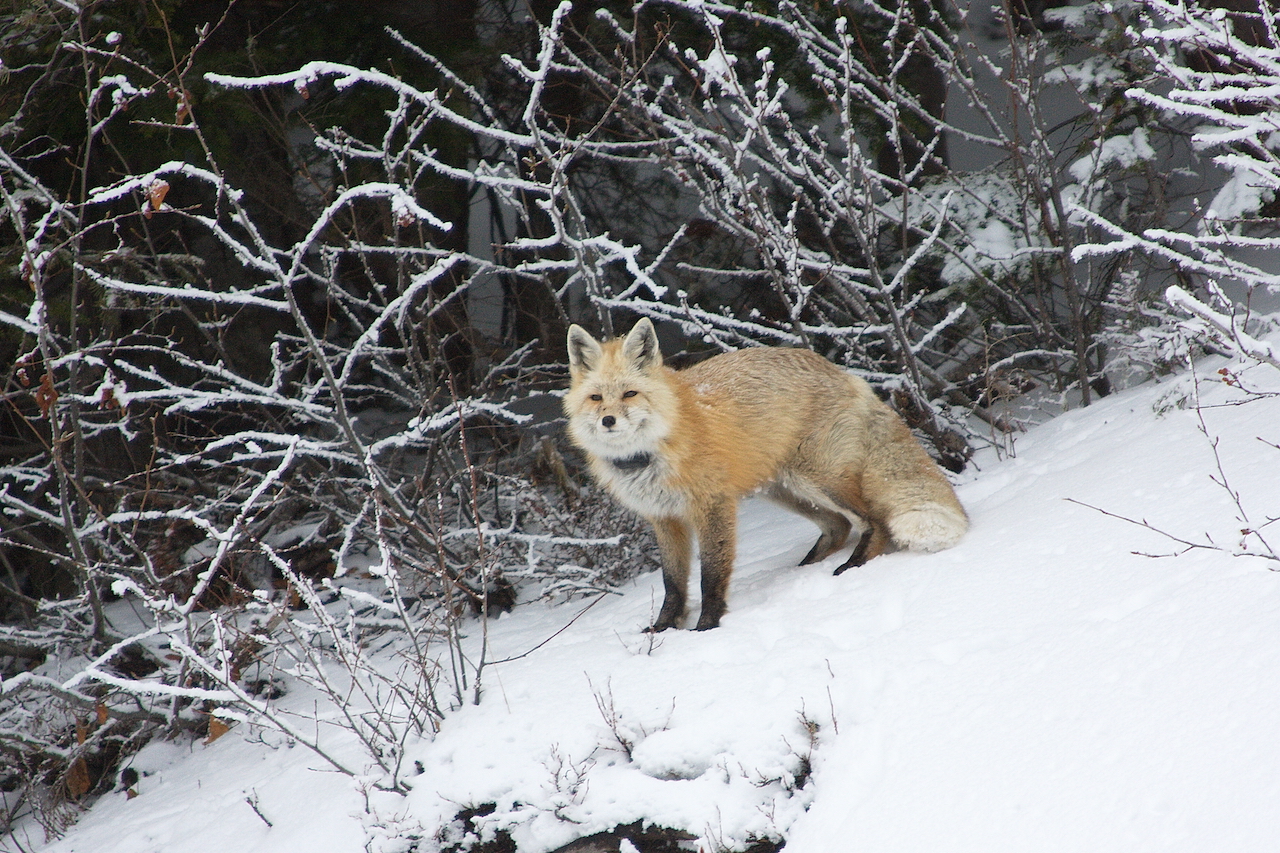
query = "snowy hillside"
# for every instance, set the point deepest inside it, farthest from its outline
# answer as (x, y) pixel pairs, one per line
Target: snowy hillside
(1038, 688)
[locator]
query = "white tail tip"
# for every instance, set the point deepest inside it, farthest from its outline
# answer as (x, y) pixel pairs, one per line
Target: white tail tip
(930, 527)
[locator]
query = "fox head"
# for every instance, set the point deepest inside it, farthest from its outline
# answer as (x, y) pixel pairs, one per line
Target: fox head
(620, 399)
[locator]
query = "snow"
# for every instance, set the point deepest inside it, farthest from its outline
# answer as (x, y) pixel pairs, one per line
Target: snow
(1244, 192)
(717, 67)
(1118, 152)
(1039, 687)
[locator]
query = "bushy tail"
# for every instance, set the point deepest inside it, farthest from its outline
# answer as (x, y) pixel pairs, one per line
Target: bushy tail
(928, 527)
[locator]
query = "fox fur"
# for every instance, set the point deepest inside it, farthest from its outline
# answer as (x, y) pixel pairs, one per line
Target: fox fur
(681, 449)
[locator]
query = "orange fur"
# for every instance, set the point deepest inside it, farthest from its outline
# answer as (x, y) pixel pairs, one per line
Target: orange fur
(681, 448)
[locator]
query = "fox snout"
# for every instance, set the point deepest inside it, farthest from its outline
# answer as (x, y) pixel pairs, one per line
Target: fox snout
(608, 421)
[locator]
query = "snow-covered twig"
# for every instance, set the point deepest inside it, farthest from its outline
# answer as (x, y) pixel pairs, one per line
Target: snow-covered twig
(1229, 329)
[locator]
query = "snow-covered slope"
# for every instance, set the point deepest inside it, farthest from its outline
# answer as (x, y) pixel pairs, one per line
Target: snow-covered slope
(1040, 687)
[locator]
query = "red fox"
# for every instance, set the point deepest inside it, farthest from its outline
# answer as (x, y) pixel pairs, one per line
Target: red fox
(681, 449)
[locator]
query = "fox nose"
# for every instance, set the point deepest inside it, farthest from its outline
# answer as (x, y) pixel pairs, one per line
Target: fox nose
(608, 421)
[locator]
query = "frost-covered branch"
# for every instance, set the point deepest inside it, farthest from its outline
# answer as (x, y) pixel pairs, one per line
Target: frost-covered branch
(1219, 72)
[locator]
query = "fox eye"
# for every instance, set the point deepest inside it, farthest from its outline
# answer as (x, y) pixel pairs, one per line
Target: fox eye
(596, 398)
(629, 394)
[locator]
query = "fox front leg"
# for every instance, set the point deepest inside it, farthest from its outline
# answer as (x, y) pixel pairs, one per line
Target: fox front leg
(675, 543)
(717, 532)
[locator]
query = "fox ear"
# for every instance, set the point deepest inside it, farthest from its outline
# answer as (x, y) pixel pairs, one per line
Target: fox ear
(641, 346)
(584, 350)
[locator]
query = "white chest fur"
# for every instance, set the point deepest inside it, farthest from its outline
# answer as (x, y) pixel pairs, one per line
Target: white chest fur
(642, 488)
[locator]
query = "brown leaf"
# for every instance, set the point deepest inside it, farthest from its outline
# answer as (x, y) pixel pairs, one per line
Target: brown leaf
(217, 728)
(101, 710)
(78, 781)
(45, 395)
(130, 794)
(156, 193)
(184, 108)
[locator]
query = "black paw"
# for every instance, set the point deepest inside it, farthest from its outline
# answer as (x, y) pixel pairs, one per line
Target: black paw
(853, 562)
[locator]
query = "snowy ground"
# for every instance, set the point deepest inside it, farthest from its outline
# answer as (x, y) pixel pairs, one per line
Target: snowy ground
(1038, 688)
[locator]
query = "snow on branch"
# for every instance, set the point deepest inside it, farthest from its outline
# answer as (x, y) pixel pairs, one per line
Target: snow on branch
(185, 292)
(1228, 329)
(348, 76)
(1206, 255)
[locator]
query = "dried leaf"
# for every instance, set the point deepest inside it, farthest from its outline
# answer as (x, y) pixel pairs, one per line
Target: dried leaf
(101, 710)
(156, 193)
(217, 728)
(82, 732)
(45, 395)
(107, 398)
(130, 794)
(78, 781)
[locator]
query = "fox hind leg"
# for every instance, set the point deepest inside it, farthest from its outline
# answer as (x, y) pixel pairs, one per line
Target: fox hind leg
(829, 542)
(876, 537)
(835, 526)
(874, 542)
